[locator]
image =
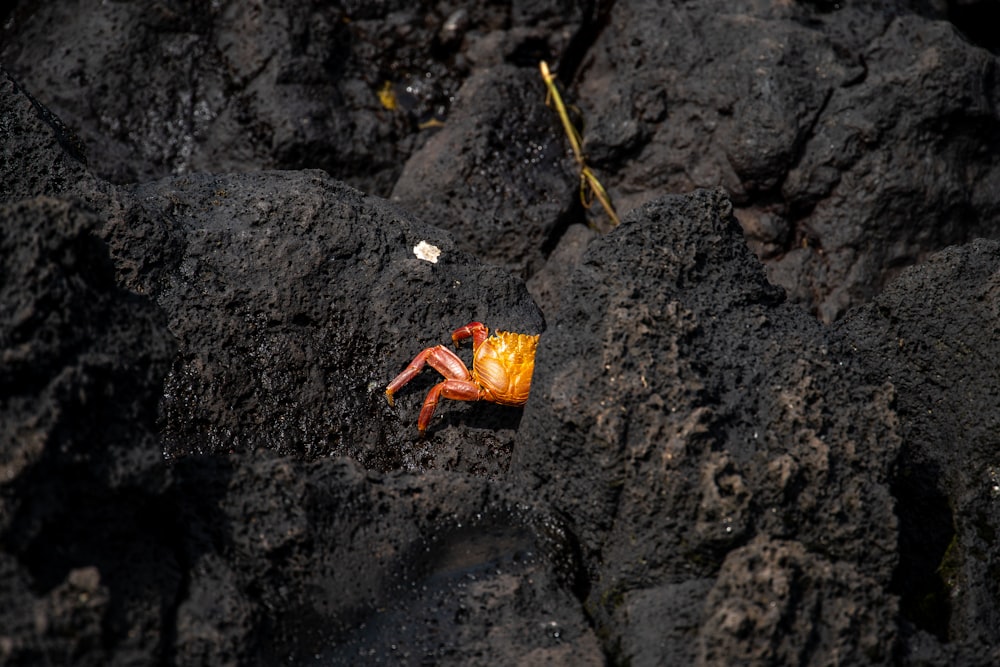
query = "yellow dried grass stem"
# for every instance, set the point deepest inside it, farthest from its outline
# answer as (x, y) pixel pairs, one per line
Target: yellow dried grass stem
(590, 187)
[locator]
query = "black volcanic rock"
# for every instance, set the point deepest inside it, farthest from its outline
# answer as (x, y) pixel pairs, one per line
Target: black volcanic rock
(496, 175)
(935, 333)
(854, 138)
(197, 461)
(295, 299)
(683, 419)
(80, 461)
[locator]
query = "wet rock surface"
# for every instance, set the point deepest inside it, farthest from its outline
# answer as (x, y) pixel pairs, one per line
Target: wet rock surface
(294, 299)
(197, 461)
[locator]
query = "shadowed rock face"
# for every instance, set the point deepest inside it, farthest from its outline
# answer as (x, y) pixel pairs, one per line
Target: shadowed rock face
(197, 462)
(82, 364)
(934, 333)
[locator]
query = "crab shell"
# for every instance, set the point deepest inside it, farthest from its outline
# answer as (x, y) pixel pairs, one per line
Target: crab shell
(502, 366)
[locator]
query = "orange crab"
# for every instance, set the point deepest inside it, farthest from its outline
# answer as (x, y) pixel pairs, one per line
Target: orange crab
(501, 370)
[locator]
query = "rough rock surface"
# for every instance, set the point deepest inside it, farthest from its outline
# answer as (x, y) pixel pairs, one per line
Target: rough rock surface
(682, 419)
(80, 462)
(501, 145)
(198, 466)
(171, 89)
(294, 298)
(31, 134)
(854, 138)
(935, 332)
(109, 556)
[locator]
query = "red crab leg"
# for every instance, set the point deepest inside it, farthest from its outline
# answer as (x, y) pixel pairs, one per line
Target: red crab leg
(440, 358)
(477, 330)
(458, 390)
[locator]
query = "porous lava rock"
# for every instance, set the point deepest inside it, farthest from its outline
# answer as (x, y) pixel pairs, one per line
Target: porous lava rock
(80, 460)
(110, 555)
(197, 461)
(327, 562)
(935, 334)
(295, 299)
(350, 87)
(854, 138)
(496, 175)
(30, 134)
(709, 449)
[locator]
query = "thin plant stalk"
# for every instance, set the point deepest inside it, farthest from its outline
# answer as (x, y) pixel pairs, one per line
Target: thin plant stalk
(590, 187)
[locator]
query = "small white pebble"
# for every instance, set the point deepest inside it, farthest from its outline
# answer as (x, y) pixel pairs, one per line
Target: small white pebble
(427, 252)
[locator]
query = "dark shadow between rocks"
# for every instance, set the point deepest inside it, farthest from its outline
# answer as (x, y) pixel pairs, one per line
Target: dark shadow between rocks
(472, 571)
(491, 416)
(926, 532)
(132, 539)
(426, 605)
(977, 20)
